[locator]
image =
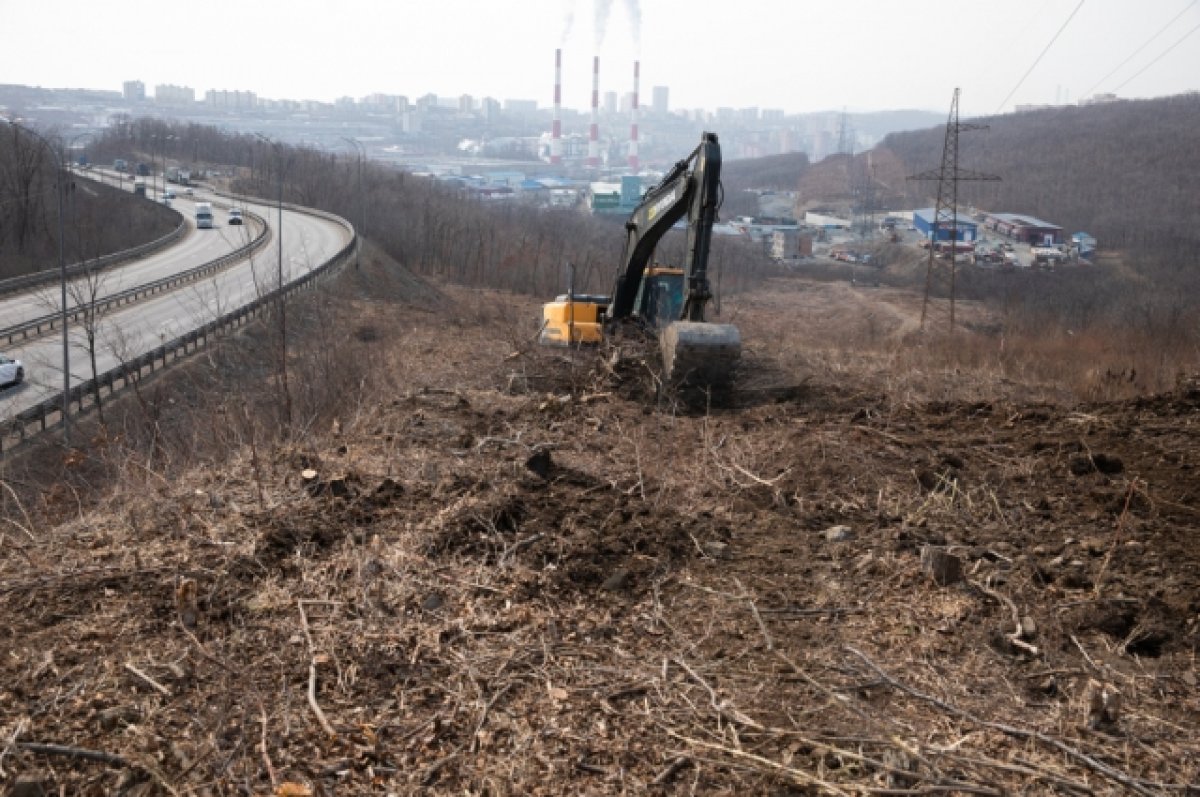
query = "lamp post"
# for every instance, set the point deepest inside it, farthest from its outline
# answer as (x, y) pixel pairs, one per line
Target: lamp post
(361, 150)
(275, 145)
(280, 307)
(74, 218)
(162, 152)
(62, 271)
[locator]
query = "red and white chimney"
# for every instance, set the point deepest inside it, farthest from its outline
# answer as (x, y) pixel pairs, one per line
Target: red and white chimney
(593, 156)
(556, 132)
(633, 129)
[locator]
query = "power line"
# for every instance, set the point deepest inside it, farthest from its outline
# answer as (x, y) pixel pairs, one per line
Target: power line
(1159, 58)
(1144, 45)
(1039, 58)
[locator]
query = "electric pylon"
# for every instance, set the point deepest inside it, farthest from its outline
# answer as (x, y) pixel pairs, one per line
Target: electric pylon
(939, 277)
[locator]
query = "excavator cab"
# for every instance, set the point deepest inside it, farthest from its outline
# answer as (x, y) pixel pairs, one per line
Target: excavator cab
(660, 296)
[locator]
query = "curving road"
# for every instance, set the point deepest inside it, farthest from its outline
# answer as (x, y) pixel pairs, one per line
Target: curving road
(195, 248)
(308, 241)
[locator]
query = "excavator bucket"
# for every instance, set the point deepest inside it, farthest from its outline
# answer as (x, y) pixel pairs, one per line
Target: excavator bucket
(700, 355)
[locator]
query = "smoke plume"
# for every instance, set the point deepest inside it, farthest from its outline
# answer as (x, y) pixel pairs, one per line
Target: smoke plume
(600, 10)
(568, 23)
(634, 11)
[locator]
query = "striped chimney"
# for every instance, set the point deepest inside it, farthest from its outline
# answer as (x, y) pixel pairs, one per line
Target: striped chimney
(633, 130)
(593, 157)
(556, 132)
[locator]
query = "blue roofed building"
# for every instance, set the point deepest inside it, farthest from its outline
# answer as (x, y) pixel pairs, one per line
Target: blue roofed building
(962, 228)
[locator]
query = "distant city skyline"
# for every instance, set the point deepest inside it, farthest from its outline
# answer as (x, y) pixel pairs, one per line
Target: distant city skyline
(862, 55)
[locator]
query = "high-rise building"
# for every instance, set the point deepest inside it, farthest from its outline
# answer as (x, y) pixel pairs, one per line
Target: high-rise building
(490, 107)
(231, 100)
(166, 94)
(658, 103)
(134, 90)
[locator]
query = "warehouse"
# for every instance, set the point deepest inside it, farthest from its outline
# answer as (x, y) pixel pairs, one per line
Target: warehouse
(1025, 229)
(963, 229)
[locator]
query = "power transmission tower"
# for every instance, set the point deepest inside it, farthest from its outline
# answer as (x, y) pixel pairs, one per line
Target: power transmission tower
(845, 145)
(939, 277)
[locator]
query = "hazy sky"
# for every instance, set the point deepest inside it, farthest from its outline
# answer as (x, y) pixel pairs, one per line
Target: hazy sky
(791, 54)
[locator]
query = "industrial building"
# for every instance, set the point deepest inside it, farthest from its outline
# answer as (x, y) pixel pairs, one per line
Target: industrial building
(612, 197)
(1085, 244)
(1025, 229)
(962, 228)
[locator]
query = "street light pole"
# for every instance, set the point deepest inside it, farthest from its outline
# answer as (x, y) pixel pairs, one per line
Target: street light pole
(62, 271)
(279, 301)
(361, 150)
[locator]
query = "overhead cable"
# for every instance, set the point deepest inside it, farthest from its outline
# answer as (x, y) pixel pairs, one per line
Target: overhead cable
(1039, 58)
(1143, 46)
(1159, 58)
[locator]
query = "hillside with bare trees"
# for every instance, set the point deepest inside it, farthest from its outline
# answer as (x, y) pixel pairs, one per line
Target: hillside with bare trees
(96, 219)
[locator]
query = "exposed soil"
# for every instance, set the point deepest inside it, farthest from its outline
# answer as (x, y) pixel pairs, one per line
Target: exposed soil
(523, 573)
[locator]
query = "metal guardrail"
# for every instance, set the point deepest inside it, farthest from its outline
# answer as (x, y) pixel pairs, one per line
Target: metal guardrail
(48, 414)
(24, 283)
(36, 326)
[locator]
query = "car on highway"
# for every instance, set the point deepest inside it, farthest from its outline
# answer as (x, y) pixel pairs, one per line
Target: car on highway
(235, 216)
(169, 193)
(12, 372)
(189, 192)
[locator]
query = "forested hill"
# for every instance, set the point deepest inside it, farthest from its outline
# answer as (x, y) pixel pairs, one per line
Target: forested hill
(1125, 171)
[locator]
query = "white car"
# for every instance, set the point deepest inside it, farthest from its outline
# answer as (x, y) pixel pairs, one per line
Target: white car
(235, 216)
(12, 372)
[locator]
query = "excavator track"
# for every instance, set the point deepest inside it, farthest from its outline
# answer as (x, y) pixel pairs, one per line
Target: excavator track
(700, 355)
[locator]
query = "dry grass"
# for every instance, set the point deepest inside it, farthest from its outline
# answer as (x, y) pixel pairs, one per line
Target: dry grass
(511, 575)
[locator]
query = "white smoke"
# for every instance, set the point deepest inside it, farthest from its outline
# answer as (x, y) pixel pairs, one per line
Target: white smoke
(600, 11)
(634, 12)
(568, 23)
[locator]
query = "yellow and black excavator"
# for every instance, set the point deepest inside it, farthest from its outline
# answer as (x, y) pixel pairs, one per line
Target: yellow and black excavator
(667, 300)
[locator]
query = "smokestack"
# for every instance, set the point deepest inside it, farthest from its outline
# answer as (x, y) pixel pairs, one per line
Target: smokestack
(593, 158)
(556, 131)
(633, 129)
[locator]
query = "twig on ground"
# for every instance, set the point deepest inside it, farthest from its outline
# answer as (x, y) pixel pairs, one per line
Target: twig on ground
(671, 770)
(722, 707)
(148, 680)
(437, 766)
(312, 674)
(266, 756)
(75, 752)
(1014, 638)
(798, 775)
(483, 716)
(1020, 733)
(12, 742)
(757, 617)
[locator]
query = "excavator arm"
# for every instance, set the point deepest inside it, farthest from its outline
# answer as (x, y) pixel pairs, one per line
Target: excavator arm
(691, 188)
(695, 353)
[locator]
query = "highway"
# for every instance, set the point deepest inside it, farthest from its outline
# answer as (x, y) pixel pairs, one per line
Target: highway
(194, 249)
(308, 241)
